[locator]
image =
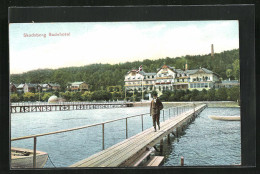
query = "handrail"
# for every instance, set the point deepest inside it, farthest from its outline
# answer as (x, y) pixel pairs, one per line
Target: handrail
(82, 127)
(72, 129)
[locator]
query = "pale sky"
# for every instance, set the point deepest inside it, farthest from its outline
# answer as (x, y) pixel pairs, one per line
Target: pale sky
(115, 42)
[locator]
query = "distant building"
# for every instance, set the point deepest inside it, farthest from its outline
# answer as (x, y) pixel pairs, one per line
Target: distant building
(139, 80)
(54, 86)
(202, 79)
(28, 87)
(78, 86)
(13, 87)
(20, 88)
(229, 83)
(169, 78)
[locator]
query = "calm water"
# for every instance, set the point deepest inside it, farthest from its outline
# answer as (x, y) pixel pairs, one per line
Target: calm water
(205, 142)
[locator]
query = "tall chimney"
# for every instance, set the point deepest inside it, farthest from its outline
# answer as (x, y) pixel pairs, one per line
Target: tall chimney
(212, 50)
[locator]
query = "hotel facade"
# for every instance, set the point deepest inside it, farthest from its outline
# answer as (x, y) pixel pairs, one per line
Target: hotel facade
(169, 78)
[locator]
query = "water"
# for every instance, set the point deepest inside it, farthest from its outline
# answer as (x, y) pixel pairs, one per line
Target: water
(68, 148)
(205, 142)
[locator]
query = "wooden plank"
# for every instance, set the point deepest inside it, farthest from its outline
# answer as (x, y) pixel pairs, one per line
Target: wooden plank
(142, 157)
(155, 161)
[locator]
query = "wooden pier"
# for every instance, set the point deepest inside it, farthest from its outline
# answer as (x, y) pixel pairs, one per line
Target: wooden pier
(133, 150)
(47, 107)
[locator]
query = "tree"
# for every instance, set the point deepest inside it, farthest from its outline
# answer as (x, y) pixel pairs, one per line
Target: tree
(14, 98)
(46, 96)
(229, 73)
(194, 95)
(101, 95)
(234, 93)
(236, 69)
(87, 96)
(221, 94)
(211, 94)
(29, 96)
(165, 96)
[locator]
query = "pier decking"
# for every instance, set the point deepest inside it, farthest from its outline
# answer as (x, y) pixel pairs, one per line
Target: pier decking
(127, 152)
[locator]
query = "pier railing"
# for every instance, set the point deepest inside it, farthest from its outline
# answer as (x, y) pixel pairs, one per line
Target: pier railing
(65, 103)
(173, 111)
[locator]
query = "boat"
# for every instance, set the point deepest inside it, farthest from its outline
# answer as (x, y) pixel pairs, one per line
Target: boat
(225, 118)
(23, 158)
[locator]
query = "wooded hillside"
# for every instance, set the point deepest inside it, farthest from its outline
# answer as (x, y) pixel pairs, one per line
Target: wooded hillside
(100, 76)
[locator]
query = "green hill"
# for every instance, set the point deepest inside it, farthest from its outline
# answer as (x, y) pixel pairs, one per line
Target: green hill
(99, 76)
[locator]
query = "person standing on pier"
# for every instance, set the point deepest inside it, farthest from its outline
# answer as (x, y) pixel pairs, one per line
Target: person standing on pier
(156, 106)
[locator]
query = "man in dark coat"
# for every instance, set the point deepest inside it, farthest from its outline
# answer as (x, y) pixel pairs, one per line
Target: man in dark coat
(156, 106)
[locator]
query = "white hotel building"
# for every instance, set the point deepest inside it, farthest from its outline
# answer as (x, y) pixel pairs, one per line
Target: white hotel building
(169, 78)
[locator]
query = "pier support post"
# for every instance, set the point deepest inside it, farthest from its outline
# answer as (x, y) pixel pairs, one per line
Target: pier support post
(169, 138)
(34, 151)
(126, 132)
(182, 161)
(161, 145)
(103, 136)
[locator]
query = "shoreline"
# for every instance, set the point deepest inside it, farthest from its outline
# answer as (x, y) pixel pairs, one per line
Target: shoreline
(211, 104)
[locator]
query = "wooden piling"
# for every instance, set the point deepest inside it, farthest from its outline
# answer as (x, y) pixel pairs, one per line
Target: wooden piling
(161, 145)
(182, 161)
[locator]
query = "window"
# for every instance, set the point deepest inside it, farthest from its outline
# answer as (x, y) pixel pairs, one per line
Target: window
(148, 77)
(206, 85)
(183, 80)
(191, 85)
(177, 80)
(152, 76)
(202, 85)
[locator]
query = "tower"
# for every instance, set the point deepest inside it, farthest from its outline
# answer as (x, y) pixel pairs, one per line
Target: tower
(212, 50)
(186, 66)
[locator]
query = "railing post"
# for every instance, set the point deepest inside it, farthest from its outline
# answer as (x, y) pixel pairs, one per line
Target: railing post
(142, 122)
(103, 136)
(126, 133)
(163, 115)
(34, 151)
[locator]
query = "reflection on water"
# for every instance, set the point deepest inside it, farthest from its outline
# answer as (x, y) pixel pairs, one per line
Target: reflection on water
(205, 142)
(208, 142)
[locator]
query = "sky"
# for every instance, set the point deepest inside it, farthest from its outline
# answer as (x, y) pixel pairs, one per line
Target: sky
(114, 42)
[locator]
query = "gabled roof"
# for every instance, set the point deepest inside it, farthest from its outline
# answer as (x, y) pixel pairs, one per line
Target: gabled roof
(194, 71)
(54, 84)
(31, 85)
(16, 85)
(146, 74)
(21, 86)
(77, 83)
(230, 81)
(166, 66)
(44, 85)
